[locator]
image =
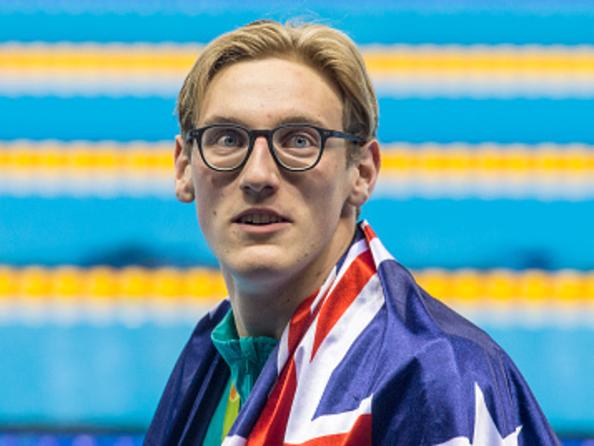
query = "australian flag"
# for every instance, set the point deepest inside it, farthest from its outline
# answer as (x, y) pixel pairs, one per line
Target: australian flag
(369, 359)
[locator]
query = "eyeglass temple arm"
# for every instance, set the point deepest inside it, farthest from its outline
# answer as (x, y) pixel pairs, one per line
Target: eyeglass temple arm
(348, 136)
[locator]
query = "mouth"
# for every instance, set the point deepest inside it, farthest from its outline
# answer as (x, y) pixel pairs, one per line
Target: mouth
(259, 217)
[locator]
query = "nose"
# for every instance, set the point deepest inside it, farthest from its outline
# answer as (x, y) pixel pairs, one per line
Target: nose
(259, 177)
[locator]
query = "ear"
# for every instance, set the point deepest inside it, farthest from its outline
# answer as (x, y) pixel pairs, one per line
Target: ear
(366, 172)
(184, 187)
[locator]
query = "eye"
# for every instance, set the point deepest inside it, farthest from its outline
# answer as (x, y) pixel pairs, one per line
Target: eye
(224, 137)
(298, 138)
(299, 141)
(229, 138)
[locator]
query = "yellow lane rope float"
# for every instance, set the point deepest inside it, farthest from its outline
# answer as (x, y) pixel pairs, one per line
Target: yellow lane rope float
(81, 155)
(131, 284)
(135, 285)
(380, 59)
(23, 157)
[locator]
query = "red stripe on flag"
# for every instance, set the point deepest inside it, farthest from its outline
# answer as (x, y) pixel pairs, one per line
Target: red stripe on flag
(343, 295)
(272, 422)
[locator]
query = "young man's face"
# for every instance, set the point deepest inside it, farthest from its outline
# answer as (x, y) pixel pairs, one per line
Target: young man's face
(311, 213)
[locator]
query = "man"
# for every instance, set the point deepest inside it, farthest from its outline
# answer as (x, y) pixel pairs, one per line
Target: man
(325, 339)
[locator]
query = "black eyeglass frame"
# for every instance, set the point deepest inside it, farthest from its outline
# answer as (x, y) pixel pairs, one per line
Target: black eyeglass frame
(325, 134)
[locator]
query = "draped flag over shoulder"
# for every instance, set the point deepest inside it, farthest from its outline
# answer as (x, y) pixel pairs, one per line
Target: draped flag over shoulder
(370, 358)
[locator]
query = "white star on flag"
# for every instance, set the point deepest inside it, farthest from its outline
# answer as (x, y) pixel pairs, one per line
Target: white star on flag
(485, 430)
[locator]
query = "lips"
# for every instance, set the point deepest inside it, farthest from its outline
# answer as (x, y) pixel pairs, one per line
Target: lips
(260, 217)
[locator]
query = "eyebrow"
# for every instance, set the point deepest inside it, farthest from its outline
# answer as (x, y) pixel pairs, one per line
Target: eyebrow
(291, 119)
(222, 120)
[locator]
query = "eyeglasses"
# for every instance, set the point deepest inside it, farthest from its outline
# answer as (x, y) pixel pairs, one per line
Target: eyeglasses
(294, 147)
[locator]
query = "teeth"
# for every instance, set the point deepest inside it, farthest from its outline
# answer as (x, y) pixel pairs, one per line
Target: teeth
(260, 219)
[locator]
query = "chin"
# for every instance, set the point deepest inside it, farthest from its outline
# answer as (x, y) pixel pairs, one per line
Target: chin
(257, 264)
(260, 275)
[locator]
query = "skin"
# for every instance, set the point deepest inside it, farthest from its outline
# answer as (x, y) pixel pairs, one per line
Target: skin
(269, 270)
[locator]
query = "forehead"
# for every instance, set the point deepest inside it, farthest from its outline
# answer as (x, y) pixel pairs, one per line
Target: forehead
(267, 92)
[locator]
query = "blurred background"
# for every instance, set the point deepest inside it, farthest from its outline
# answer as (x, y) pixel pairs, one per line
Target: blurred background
(487, 193)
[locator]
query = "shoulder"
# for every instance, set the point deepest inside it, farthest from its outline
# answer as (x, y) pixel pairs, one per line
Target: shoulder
(439, 365)
(418, 318)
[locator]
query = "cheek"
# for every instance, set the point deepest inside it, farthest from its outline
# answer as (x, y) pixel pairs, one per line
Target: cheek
(210, 191)
(208, 206)
(336, 186)
(326, 198)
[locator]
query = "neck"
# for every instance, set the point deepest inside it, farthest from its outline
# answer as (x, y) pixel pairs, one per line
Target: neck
(264, 307)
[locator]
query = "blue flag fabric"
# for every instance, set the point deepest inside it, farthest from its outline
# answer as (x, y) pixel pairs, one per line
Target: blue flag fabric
(370, 358)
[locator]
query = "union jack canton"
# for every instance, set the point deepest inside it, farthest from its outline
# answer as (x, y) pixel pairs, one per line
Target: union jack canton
(369, 359)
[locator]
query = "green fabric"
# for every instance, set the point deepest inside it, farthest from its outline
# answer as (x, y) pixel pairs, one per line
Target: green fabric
(245, 357)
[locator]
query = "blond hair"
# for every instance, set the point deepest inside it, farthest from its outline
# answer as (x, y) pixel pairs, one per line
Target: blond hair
(326, 49)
